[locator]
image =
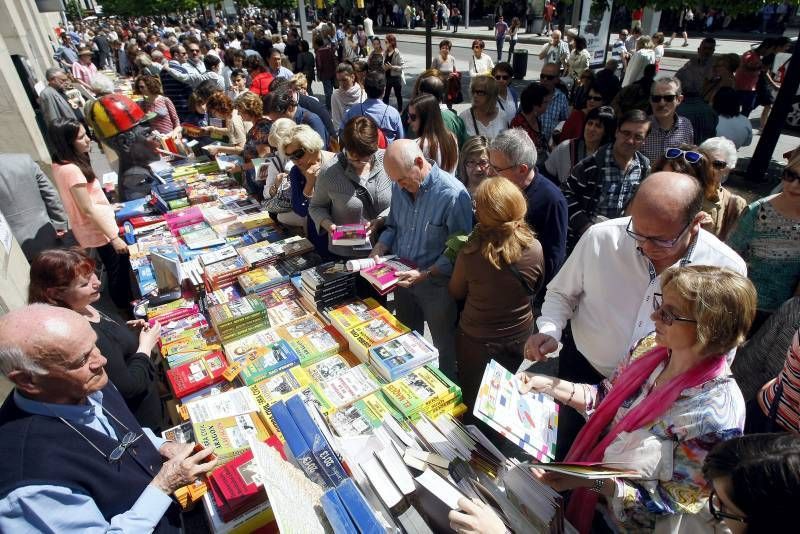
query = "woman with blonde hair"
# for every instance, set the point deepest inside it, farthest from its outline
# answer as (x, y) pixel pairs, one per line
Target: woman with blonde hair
(497, 273)
(645, 55)
(473, 163)
(483, 117)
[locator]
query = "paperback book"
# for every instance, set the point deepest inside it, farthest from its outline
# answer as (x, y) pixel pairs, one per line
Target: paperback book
(383, 277)
(402, 354)
(374, 332)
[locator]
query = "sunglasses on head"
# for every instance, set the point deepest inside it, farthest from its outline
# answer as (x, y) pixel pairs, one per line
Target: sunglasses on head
(691, 157)
(790, 175)
(297, 154)
(666, 98)
(548, 77)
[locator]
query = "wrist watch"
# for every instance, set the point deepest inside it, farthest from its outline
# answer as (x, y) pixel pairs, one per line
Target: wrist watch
(598, 486)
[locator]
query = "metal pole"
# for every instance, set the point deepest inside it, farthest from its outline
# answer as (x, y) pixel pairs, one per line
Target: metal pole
(301, 6)
(428, 39)
(757, 169)
(466, 14)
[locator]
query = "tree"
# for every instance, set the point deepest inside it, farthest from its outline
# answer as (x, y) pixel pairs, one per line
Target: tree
(128, 8)
(72, 9)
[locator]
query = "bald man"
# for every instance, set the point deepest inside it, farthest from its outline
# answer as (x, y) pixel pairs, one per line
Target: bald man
(72, 457)
(428, 206)
(605, 288)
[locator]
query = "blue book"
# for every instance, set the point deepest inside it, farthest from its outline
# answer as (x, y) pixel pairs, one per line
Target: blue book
(133, 208)
(297, 445)
(320, 447)
(337, 513)
(360, 512)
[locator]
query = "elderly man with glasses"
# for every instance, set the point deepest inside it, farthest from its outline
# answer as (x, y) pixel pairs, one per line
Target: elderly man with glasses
(668, 129)
(73, 456)
(558, 109)
(601, 301)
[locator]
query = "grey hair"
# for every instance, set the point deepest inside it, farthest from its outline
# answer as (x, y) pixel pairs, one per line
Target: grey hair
(408, 154)
(102, 84)
(279, 133)
(51, 73)
(306, 136)
(517, 146)
(671, 80)
(13, 358)
(724, 146)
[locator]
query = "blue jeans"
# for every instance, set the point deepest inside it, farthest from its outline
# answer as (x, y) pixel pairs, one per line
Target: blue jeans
(430, 301)
(327, 85)
(500, 41)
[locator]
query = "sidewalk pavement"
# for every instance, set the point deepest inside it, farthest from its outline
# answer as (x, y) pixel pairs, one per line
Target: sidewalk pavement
(725, 45)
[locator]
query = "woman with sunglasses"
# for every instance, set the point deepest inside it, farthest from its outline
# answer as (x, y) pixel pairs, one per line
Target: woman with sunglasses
(723, 207)
(768, 239)
(277, 187)
(755, 482)
(573, 127)
(353, 187)
(598, 130)
(731, 123)
(473, 163)
(436, 141)
(67, 279)
(507, 97)
(484, 116)
(304, 147)
(662, 410)
(479, 63)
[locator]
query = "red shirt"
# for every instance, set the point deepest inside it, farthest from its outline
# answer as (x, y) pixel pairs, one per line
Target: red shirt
(746, 76)
(260, 84)
(637, 14)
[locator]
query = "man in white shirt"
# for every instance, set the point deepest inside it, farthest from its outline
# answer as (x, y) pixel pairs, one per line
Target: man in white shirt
(605, 288)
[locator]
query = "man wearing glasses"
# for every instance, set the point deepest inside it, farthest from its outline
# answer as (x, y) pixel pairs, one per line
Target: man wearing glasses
(73, 456)
(668, 129)
(556, 51)
(173, 88)
(605, 288)
(601, 185)
(194, 62)
(558, 109)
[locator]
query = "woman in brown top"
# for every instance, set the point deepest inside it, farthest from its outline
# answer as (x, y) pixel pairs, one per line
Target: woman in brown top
(497, 273)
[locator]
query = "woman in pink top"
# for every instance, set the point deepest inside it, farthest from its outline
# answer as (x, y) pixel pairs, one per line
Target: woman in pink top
(84, 70)
(90, 214)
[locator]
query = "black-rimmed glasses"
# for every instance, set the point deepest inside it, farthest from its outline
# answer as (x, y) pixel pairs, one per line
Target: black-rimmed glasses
(718, 514)
(655, 99)
(657, 241)
(667, 317)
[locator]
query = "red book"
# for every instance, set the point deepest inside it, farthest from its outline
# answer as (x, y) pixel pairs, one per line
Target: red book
(145, 220)
(194, 376)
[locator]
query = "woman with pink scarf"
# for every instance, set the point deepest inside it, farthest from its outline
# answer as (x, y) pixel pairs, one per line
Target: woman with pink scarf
(659, 415)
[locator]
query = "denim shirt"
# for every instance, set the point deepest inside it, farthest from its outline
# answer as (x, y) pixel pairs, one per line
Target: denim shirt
(418, 228)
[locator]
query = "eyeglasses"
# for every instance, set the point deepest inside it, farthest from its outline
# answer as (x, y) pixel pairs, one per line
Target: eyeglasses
(498, 170)
(790, 175)
(413, 116)
(297, 154)
(595, 98)
(477, 47)
(718, 514)
(657, 241)
(478, 92)
(666, 98)
(719, 164)
(482, 163)
(667, 317)
(627, 134)
(194, 50)
(689, 156)
(127, 440)
(501, 77)
(547, 76)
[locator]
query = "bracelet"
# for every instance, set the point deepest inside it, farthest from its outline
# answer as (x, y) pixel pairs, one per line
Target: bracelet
(598, 486)
(571, 395)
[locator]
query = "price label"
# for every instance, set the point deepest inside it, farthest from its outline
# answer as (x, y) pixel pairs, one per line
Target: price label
(232, 371)
(183, 411)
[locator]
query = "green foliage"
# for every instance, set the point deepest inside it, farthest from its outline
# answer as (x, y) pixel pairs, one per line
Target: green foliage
(127, 8)
(72, 10)
(276, 4)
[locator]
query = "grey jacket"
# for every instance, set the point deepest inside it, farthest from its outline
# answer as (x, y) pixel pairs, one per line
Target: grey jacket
(54, 105)
(30, 204)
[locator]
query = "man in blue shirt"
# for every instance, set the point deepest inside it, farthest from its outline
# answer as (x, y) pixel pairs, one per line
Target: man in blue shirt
(72, 456)
(428, 206)
(558, 109)
(512, 155)
(275, 68)
(386, 117)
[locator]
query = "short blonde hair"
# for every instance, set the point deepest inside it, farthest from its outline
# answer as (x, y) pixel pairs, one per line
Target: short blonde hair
(486, 83)
(645, 41)
(477, 145)
(722, 302)
(306, 137)
(299, 81)
(279, 133)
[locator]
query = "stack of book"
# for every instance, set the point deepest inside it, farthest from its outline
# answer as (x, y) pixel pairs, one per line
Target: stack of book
(238, 318)
(266, 362)
(193, 376)
(377, 331)
(217, 255)
(294, 264)
(349, 387)
(170, 196)
(327, 284)
(200, 235)
(260, 254)
(236, 486)
(346, 316)
(403, 354)
(317, 345)
(262, 278)
(424, 391)
(224, 273)
(253, 345)
(349, 235)
(228, 436)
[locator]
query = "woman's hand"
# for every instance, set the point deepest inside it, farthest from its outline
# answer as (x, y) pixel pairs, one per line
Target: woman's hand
(148, 337)
(474, 516)
(706, 222)
(120, 246)
(212, 149)
(375, 225)
(560, 482)
(530, 382)
(136, 324)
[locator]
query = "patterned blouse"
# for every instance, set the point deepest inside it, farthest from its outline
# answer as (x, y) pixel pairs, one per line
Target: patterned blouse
(700, 418)
(787, 414)
(770, 244)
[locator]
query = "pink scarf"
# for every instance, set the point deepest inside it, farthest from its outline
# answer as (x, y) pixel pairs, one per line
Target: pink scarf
(588, 447)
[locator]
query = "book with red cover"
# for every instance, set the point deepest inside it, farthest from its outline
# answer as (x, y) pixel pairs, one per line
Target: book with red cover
(145, 220)
(383, 277)
(193, 376)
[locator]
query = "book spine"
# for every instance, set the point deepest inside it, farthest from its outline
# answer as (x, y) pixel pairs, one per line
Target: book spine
(358, 508)
(336, 513)
(297, 445)
(319, 445)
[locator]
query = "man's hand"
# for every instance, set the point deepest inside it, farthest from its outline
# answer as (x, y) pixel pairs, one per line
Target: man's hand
(375, 225)
(409, 278)
(183, 468)
(378, 250)
(538, 346)
(170, 448)
(475, 517)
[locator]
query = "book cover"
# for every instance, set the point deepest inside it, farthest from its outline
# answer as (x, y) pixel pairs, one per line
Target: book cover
(325, 274)
(337, 514)
(196, 375)
(295, 264)
(354, 313)
(383, 277)
(402, 354)
(260, 253)
(295, 246)
(255, 344)
(328, 368)
(299, 328)
(420, 390)
(268, 362)
(226, 252)
(278, 294)
(182, 433)
(297, 445)
(228, 436)
(285, 312)
(316, 345)
(261, 278)
(320, 447)
(237, 485)
(347, 388)
(358, 508)
(349, 235)
(374, 332)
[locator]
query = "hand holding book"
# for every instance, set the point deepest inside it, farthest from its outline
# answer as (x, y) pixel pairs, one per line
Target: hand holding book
(475, 516)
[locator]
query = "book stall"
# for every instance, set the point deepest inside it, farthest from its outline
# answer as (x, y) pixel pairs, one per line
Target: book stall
(325, 412)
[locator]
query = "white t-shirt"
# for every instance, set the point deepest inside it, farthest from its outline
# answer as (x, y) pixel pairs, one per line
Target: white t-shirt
(482, 65)
(738, 129)
(368, 27)
(476, 127)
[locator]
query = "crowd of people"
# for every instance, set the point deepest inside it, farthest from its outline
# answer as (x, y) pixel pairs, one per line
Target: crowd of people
(596, 226)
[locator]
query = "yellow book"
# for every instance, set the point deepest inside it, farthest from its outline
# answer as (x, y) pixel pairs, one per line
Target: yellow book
(299, 328)
(228, 436)
(257, 345)
(355, 313)
(373, 332)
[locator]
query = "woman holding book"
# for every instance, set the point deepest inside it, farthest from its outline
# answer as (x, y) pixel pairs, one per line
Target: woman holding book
(220, 107)
(353, 188)
(662, 411)
(67, 279)
(90, 215)
(496, 274)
